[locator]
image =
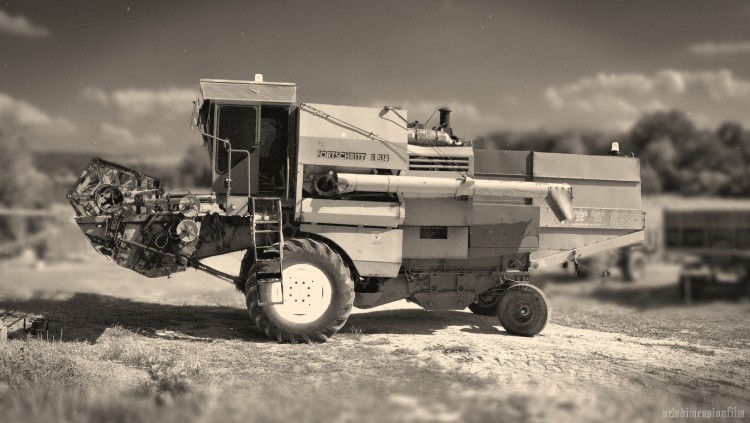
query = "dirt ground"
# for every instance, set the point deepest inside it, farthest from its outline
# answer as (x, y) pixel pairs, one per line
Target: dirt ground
(613, 351)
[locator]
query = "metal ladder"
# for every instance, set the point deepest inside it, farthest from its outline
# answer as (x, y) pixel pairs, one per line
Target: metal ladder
(267, 231)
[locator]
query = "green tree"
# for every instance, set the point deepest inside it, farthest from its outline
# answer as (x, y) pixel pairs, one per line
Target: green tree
(195, 168)
(673, 125)
(570, 143)
(22, 186)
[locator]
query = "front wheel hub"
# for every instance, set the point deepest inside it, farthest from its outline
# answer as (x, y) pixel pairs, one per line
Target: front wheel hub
(307, 294)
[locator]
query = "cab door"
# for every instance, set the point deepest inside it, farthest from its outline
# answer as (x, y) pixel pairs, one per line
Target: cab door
(235, 164)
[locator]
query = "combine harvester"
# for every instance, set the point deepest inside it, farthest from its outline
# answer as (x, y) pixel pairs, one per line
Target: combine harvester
(342, 206)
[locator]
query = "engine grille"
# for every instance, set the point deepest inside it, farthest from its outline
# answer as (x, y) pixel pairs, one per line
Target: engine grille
(438, 163)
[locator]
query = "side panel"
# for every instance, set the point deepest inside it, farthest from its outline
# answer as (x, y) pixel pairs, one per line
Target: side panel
(503, 164)
(354, 137)
(374, 251)
(455, 245)
(505, 226)
(359, 213)
(437, 211)
(586, 167)
(595, 218)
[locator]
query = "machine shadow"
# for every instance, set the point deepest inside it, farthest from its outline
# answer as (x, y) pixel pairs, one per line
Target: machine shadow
(420, 322)
(84, 317)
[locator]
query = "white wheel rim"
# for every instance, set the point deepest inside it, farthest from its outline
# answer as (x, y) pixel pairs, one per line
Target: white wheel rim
(307, 294)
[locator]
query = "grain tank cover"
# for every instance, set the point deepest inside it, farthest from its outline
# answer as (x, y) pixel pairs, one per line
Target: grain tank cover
(248, 91)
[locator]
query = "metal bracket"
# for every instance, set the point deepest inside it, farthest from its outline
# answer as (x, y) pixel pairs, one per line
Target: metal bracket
(214, 272)
(589, 250)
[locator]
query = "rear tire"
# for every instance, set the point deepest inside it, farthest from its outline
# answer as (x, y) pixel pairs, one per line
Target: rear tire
(634, 268)
(318, 279)
(486, 305)
(523, 310)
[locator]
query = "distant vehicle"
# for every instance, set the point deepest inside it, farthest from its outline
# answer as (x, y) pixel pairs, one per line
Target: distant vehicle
(713, 244)
(631, 260)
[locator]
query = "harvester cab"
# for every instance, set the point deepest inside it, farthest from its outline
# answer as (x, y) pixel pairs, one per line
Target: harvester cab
(338, 206)
(247, 129)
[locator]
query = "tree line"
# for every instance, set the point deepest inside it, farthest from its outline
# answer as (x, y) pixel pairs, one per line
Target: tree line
(676, 156)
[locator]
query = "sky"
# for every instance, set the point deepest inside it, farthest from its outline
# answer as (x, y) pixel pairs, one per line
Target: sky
(119, 77)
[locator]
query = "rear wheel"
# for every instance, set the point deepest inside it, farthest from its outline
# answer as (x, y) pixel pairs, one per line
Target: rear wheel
(318, 294)
(634, 266)
(486, 304)
(523, 310)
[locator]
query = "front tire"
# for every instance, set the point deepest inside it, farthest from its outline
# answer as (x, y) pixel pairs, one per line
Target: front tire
(523, 310)
(318, 294)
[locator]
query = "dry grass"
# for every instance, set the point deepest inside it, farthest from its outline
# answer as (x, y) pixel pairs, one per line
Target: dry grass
(183, 351)
(226, 380)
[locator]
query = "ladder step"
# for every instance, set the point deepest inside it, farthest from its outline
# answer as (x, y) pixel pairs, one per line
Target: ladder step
(267, 221)
(261, 247)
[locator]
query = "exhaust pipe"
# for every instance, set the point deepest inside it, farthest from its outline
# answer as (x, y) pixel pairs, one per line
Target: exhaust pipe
(445, 120)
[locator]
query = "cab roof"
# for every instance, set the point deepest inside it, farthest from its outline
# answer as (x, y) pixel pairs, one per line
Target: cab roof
(257, 91)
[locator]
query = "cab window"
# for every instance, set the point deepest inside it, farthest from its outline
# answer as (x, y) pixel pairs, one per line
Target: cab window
(238, 125)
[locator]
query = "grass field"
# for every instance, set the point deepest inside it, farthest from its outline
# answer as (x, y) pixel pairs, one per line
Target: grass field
(130, 349)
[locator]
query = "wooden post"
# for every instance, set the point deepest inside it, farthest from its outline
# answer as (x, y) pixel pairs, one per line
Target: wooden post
(688, 290)
(3, 333)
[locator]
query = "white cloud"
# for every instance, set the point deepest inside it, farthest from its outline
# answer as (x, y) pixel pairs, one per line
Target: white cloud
(96, 95)
(723, 48)
(27, 117)
(21, 26)
(138, 103)
(123, 137)
(615, 101)
(721, 85)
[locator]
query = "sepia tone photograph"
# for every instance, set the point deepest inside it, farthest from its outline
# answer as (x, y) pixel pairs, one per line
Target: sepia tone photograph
(374, 211)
